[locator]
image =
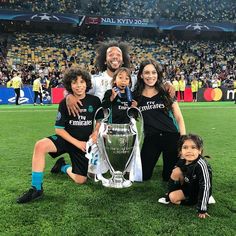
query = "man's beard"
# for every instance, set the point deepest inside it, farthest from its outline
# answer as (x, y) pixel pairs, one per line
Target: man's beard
(111, 68)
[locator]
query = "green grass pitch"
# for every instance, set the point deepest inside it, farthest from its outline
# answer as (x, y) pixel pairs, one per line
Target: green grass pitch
(91, 209)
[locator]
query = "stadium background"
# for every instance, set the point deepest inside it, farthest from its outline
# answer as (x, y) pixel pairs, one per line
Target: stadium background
(31, 45)
(194, 39)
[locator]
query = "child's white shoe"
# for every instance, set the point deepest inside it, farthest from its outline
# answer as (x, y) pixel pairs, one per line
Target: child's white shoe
(163, 200)
(211, 200)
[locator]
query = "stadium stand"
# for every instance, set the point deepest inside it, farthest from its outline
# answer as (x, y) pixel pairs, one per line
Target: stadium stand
(52, 52)
(201, 59)
(180, 10)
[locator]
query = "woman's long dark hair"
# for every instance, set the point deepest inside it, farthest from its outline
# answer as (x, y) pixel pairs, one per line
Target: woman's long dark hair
(159, 86)
(102, 51)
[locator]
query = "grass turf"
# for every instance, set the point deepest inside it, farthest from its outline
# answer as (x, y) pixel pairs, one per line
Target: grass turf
(91, 209)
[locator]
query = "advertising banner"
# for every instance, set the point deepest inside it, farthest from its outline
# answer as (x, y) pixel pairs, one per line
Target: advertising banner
(57, 95)
(195, 26)
(7, 96)
(215, 94)
(188, 97)
(40, 17)
(128, 21)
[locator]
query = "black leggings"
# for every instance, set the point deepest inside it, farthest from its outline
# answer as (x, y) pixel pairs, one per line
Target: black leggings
(36, 94)
(17, 91)
(153, 146)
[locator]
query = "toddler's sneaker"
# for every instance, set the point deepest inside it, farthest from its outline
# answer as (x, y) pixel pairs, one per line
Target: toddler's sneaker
(211, 200)
(163, 200)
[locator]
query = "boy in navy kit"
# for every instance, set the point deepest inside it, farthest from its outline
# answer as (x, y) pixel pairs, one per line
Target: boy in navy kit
(71, 136)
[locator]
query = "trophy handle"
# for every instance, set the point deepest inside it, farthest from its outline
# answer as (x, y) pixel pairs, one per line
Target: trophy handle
(102, 168)
(136, 125)
(138, 122)
(130, 158)
(102, 146)
(106, 113)
(103, 129)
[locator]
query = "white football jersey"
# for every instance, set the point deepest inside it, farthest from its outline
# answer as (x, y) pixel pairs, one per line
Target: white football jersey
(100, 84)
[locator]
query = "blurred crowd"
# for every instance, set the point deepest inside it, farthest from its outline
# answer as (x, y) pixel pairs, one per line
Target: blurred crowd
(180, 10)
(48, 55)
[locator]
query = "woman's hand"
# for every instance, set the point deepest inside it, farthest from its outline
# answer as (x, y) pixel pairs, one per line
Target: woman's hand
(169, 88)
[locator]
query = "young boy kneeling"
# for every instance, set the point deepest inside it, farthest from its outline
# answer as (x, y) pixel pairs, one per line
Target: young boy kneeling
(72, 133)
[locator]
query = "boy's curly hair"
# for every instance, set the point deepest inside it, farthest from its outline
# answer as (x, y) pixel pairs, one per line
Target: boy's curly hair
(71, 75)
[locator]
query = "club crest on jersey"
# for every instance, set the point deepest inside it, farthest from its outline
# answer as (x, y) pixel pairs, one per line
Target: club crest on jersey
(90, 109)
(58, 115)
(54, 137)
(186, 179)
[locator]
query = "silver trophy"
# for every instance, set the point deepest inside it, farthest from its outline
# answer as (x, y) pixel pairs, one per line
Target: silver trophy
(116, 145)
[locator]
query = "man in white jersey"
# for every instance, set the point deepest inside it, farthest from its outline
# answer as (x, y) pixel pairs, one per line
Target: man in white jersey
(110, 57)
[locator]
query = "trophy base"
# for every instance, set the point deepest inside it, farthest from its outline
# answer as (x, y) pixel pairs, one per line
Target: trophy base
(117, 181)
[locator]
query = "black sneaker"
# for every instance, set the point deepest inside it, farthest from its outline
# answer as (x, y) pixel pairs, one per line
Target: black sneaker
(30, 195)
(57, 167)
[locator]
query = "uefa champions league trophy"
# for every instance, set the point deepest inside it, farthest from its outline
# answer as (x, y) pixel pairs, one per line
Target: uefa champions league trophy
(116, 144)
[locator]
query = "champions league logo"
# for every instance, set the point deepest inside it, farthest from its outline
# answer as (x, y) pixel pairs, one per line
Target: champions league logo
(47, 17)
(22, 98)
(44, 17)
(197, 27)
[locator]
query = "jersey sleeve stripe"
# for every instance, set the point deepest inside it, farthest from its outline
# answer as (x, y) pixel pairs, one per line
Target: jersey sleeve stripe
(207, 184)
(59, 127)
